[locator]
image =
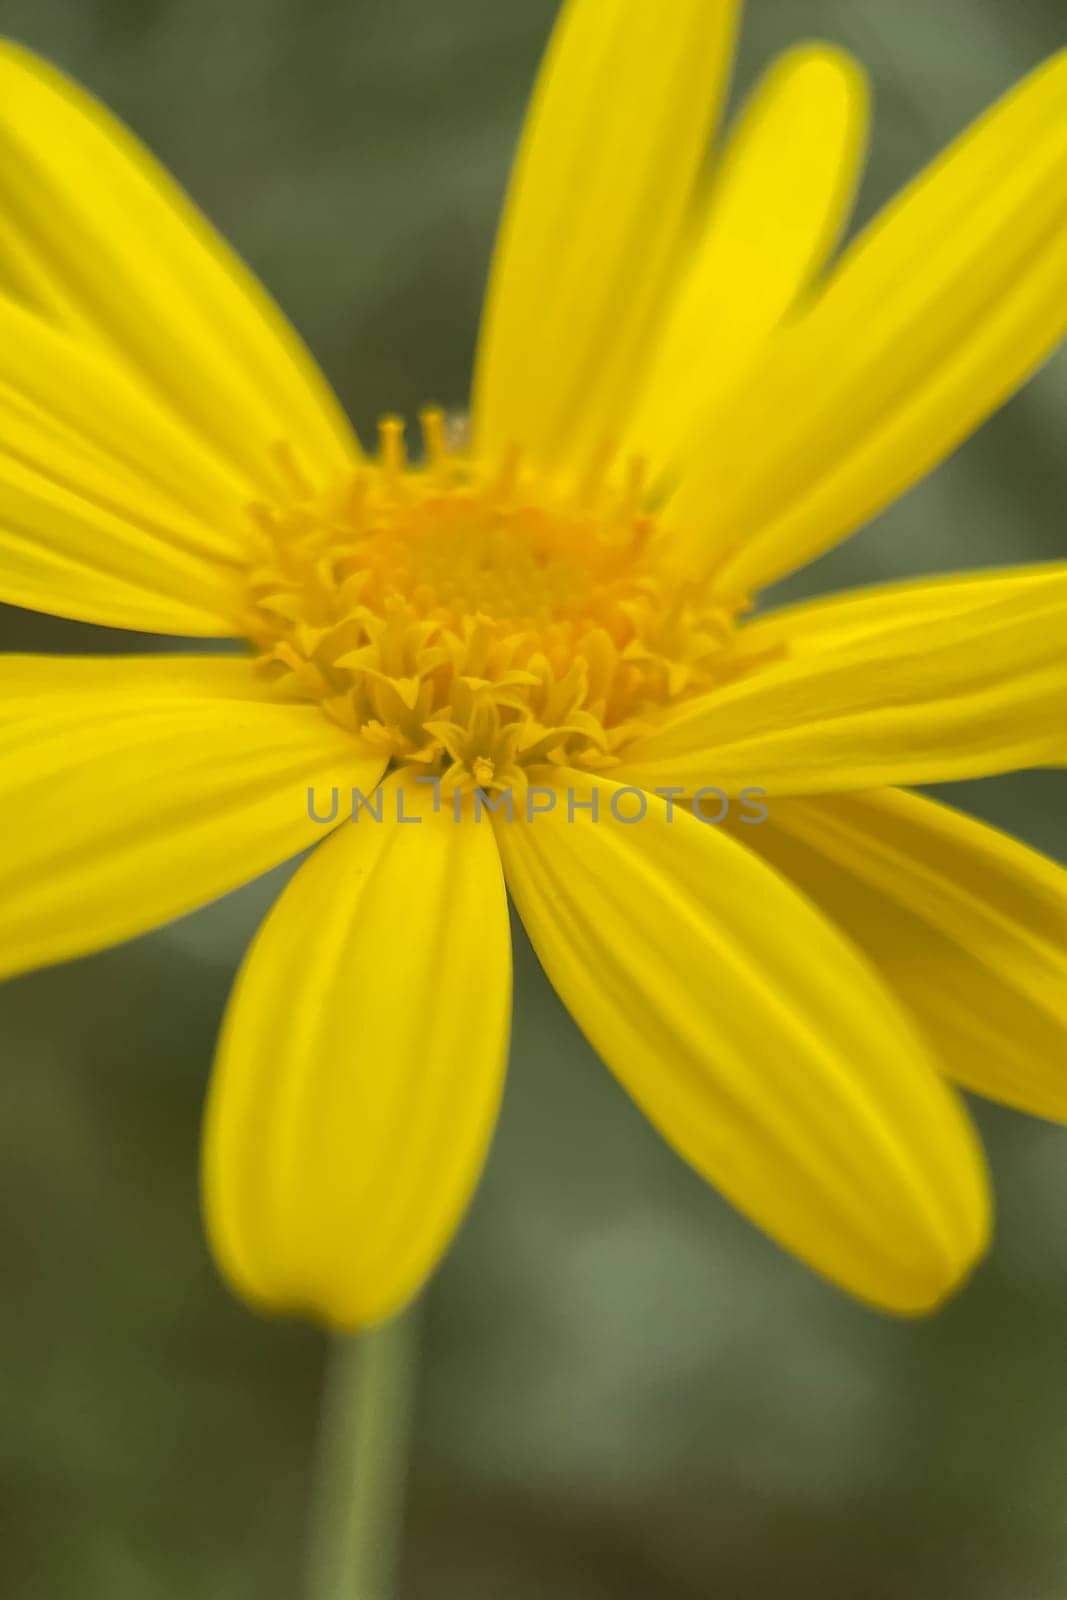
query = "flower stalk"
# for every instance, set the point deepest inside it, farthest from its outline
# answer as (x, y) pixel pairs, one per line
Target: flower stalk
(358, 1492)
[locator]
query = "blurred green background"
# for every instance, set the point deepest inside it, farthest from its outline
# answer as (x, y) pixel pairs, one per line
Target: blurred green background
(626, 1391)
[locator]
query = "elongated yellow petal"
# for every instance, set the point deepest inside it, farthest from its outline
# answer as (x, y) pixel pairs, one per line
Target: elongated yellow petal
(22, 276)
(968, 925)
(138, 269)
(60, 395)
(614, 139)
(756, 1039)
(837, 621)
(361, 1066)
(934, 317)
(111, 511)
(959, 695)
(138, 787)
(779, 201)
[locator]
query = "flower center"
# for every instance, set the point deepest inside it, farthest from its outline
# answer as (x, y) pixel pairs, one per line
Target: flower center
(477, 619)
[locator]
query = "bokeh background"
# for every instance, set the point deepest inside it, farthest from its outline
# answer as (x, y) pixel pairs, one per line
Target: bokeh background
(625, 1391)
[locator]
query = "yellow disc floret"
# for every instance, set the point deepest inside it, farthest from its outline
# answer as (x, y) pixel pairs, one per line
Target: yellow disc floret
(477, 619)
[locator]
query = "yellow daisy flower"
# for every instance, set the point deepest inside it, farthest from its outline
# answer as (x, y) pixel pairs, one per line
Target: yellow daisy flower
(676, 402)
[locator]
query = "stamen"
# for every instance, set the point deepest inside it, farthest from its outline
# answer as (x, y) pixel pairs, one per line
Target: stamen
(391, 450)
(432, 422)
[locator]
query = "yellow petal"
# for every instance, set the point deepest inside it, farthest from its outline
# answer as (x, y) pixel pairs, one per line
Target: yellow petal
(361, 1065)
(110, 510)
(756, 1039)
(958, 695)
(968, 925)
(782, 194)
(837, 621)
(614, 139)
(22, 276)
(934, 317)
(125, 258)
(137, 788)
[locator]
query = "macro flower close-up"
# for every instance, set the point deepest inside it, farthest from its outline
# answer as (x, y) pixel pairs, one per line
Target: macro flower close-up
(526, 655)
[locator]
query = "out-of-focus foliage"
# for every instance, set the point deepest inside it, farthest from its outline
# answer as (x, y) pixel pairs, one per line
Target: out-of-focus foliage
(626, 1391)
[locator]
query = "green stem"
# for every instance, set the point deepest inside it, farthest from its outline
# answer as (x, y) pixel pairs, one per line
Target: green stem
(357, 1500)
